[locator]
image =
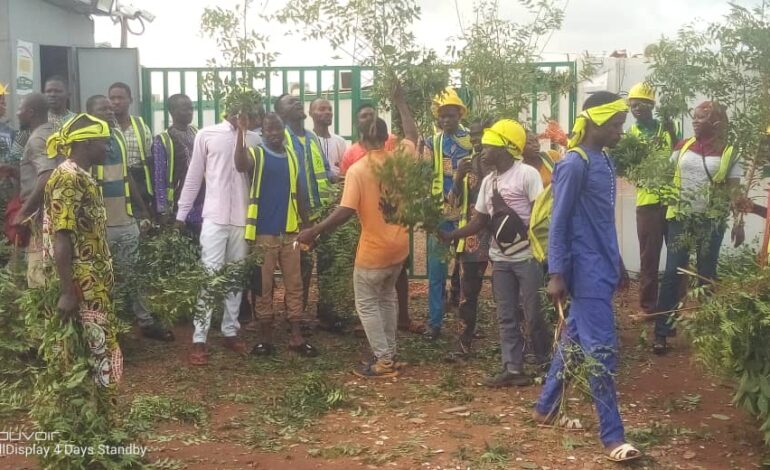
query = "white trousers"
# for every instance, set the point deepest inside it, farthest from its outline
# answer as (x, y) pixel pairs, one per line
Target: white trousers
(221, 244)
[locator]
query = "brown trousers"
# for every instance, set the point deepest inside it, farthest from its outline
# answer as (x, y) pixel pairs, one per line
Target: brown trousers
(651, 229)
(280, 250)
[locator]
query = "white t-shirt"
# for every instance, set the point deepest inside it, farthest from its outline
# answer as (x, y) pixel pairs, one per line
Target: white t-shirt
(334, 148)
(695, 181)
(519, 186)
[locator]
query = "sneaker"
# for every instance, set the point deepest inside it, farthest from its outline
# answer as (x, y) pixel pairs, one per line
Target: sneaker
(507, 378)
(398, 364)
(380, 369)
(432, 333)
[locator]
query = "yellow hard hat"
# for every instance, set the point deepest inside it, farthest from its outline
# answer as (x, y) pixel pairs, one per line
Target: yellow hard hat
(642, 91)
(446, 98)
(3, 89)
(506, 133)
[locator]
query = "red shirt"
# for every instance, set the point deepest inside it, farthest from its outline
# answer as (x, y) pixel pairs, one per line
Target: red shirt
(356, 151)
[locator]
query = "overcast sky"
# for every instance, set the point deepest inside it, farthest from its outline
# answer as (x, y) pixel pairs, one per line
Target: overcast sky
(597, 26)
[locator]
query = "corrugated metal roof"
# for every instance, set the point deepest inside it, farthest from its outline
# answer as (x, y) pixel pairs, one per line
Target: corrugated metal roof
(85, 7)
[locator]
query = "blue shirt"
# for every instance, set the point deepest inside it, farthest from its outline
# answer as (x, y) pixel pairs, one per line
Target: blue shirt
(301, 150)
(273, 194)
(582, 241)
(453, 151)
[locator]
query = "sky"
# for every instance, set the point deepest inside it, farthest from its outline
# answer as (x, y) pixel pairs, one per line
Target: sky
(173, 39)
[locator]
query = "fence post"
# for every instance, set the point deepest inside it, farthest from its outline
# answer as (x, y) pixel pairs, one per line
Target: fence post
(355, 98)
(147, 96)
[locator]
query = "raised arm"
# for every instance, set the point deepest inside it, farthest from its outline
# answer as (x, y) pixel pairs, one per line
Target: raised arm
(407, 119)
(243, 163)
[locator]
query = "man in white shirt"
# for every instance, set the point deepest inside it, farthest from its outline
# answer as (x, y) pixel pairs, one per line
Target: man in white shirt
(224, 219)
(510, 190)
(332, 145)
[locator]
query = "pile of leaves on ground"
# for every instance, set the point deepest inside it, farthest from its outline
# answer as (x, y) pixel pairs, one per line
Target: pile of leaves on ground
(731, 332)
(406, 196)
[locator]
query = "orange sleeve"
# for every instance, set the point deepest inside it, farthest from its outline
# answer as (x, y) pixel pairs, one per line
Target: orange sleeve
(351, 194)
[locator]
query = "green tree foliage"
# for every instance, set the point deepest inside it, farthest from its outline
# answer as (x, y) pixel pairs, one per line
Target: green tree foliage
(382, 37)
(493, 50)
(731, 332)
(242, 49)
(405, 183)
(728, 61)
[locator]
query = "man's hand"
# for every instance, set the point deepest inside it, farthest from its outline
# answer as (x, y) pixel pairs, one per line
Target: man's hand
(243, 122)
(743, 205)
(445, 237)
(307, 237)
(68, 303)
(738, 234)
(557, 289)
(625, 281)
(144, 226)
(181, 226)
(464, 167)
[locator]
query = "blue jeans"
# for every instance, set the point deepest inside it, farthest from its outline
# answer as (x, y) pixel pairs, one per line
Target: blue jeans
(590, 331)
(438, 254)
(707, 236)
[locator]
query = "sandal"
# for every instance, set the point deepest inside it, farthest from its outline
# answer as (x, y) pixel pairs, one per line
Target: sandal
(414, 327)
(624, 453)
(263, 349)
(199, 356)
(304, 349)
(158, 333)
(659, 346)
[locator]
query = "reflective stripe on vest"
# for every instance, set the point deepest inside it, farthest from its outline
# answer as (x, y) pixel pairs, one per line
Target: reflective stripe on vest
(168, 145)
(313, 166)
(437, 189)
(463, 214)
(126, 188)
(137, 123)
(292, 223)
(726, 162)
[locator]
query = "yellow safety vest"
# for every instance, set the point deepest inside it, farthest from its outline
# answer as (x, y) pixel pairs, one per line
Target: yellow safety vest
(663, 139)
(168, 145)
(728, 159)
(437, 188)
(137, 123)
(463, 213)
(292, 213)
(100, 171)
(314, 165)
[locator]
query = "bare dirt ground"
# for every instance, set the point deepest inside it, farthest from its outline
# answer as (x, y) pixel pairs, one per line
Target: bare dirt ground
(435, 416)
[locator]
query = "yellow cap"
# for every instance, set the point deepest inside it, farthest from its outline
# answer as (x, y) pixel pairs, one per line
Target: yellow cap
(3, 89)
(642, 91)
(506, 133)
(446, 98)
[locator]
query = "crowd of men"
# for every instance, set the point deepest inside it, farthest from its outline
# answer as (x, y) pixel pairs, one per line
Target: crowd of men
(90, 184)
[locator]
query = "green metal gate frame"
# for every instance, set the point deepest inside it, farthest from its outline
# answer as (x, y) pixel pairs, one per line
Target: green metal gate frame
(356, 92)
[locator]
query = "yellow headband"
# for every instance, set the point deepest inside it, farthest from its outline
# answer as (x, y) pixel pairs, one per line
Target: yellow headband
(508, 134)
(3, 89)
(598, 115)
(60, 143)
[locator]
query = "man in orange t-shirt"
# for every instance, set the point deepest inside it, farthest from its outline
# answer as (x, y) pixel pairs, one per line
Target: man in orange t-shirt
(382, 247)
(366, 114)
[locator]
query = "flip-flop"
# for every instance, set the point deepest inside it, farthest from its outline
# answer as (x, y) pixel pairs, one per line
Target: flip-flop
(564, 423)
(304, 350)
(624, 453)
